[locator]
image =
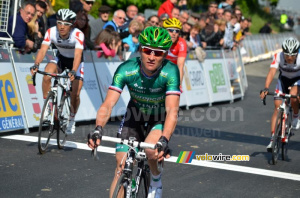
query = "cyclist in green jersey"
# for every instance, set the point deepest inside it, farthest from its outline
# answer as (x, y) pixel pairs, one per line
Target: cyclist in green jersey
(151, 115)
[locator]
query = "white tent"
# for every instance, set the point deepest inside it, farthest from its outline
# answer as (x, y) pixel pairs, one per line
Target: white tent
(289, 6)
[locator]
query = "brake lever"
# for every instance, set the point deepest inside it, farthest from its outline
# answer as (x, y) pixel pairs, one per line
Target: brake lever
(94, 153)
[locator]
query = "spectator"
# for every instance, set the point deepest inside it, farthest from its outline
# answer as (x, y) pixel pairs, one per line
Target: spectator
(175, 13)
(218, 40)
(108, 43)
(97, 24)
(195, 17)
(131, 43)
(212, 10)
(117, 21)
(202, 21)
(229, 34)
(244, 27)
(266, 29)
(41, 8)
(50, 16)
(154, 20)
(194, 39)
(227, 15)
(220, 12)
(238, 14)
(227, 5)
(184, 16)
(87, 7)
(140, 17)
(26, 14)
(182, 5)
(82, 24)
(209, 33)
(186, 28)
(247, 29)
(166, 7)
(162, 18)
(36, 26)
(131, 13)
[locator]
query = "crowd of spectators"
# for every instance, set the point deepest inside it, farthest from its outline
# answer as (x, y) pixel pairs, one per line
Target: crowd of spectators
(221, 26)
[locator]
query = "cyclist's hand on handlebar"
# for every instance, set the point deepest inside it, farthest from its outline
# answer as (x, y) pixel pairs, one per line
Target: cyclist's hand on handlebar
(95, 137)
(72, 75)
(263, 93)
(163, 150)
(33, 69)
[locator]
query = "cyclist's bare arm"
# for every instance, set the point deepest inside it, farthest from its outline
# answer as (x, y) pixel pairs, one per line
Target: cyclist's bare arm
(104, 112)
(40, 56)
(269, 79)
(172, 105)
(77, 58)
(180, 63)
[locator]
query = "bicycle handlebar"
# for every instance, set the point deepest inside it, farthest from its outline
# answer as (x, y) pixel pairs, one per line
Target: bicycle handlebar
(142, 145)
(281, 95)
(62, 75)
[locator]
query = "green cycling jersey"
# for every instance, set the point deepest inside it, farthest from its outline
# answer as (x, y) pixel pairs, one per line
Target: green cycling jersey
(147, 93)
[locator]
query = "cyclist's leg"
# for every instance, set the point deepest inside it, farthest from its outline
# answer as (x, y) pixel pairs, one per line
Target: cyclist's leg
(128, 128)
(155, 188)
(295, 104)
(75, 95)
(51, 67)
(76, 88)
(119, 156)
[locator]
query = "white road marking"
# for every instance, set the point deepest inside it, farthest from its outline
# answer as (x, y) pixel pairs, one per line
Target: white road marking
(217, 165)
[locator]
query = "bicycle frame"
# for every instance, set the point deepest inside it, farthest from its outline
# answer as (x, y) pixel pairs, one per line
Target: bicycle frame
(286, 108)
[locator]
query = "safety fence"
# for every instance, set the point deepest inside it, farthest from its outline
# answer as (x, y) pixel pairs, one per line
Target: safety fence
(221, 77)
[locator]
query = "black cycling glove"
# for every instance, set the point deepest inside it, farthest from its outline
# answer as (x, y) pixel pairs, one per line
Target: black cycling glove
(73, 73)
(163, 145)
(35, 66)
(96, 134)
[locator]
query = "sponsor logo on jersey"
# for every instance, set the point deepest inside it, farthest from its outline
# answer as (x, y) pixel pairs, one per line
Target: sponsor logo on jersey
(155, 90)
(163, 74)
(131, 73)
(78, 39)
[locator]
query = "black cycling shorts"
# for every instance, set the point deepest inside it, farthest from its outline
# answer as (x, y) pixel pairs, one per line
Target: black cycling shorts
(138, 125)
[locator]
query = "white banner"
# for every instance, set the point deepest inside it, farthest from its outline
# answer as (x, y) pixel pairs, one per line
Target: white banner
(90, 97)
(105, 69)
(216, 75)
(196, 88)
(11, 110)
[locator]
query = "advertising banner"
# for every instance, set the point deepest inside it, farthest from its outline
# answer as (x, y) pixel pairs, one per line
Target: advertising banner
(233, 74)
(196, 88)
(32, 96)
(105, 69)
(10, 105)
(90, 97)
(216, 74)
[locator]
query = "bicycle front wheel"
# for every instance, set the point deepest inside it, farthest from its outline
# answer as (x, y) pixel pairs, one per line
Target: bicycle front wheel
(63, 116)
(276, 144)
(284, 145)
(144, 183)
(121, 187)
(46, 129)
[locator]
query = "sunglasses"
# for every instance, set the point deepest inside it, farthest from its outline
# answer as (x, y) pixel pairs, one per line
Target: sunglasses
(171, 30)
(156, 52)
(290, 54)
(64, 23)
(89, 2)
(154, 22)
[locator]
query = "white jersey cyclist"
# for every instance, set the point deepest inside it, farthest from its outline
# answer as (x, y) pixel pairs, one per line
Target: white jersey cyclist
(66, 48)
(289, 74)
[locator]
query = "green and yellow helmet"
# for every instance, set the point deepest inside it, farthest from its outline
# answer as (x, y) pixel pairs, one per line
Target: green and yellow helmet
(155, 37)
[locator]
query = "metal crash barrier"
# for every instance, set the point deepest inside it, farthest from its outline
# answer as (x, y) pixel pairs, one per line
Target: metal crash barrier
(221, 77)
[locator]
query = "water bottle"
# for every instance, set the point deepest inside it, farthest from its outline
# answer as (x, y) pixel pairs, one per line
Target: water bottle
(133, 188)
